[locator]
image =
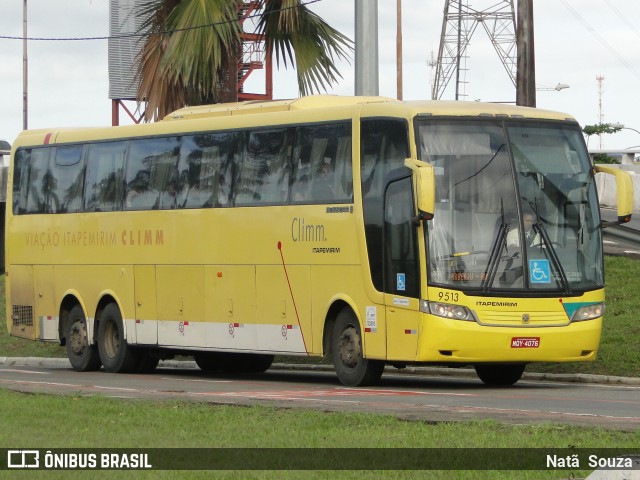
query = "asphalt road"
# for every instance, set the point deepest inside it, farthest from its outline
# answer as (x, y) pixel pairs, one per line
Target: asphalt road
(425, 396)
(616, 244)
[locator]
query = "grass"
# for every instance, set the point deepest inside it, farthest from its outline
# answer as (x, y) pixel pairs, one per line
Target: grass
(98, 422)
(619, 353)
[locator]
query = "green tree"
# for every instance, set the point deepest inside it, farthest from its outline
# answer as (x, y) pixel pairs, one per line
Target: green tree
(181, 65)
(600, 129)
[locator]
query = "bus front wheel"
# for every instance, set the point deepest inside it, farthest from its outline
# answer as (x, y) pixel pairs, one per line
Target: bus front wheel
(351, 367)
(116, 355)
(84, 357)
(500, 375)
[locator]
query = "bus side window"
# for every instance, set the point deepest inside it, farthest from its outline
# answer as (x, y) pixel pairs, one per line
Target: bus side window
(68, 174)
(152, 173)
(384, 145)
(21, 180)
(104, 177)
(322, 164)
(204, 170)
(401, 256)
(264, 168)
(40, 180)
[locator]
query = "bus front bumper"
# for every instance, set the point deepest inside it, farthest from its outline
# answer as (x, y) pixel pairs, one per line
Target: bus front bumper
(453, 341)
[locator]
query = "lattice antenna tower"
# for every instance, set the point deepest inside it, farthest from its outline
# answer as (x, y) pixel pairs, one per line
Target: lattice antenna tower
(458, 26)
(600, 80)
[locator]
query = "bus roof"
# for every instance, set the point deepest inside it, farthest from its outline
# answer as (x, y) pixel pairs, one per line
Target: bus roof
(367, 107)
(259, 106)
(410, 108)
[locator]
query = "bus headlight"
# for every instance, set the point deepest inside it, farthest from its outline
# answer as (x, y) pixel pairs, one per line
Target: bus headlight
(588, 312)
(447, 310)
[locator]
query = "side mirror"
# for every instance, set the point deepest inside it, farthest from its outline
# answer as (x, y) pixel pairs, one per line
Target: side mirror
(425, 184)
(624, 191)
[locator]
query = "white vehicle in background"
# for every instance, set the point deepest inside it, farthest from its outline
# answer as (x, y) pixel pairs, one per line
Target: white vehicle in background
(5, 150)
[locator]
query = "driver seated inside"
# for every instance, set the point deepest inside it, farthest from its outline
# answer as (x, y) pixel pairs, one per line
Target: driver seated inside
(531, 237)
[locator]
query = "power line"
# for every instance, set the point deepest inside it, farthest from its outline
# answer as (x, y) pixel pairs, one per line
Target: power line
(146, 34)
(600, 39)
(622, 17)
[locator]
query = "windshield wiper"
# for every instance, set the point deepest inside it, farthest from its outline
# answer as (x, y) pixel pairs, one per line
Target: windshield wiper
(494, 259)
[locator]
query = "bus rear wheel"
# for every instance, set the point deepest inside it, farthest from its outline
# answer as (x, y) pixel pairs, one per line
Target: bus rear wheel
(500, 375)
(260, 363)
(208, 361)
(116, 355)
(84, 357)
(351, 367)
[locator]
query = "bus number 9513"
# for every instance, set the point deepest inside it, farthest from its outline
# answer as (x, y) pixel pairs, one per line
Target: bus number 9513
(448, 296)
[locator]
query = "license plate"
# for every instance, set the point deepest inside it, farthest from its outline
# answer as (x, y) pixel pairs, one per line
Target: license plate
(525, 342)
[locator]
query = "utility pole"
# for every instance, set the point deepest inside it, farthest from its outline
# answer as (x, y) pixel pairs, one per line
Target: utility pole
(366, 47)
(526, 72)
(25, 69)
(399, 48)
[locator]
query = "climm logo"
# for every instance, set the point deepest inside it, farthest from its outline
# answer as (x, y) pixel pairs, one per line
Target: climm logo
(307, 232)
(142, 237)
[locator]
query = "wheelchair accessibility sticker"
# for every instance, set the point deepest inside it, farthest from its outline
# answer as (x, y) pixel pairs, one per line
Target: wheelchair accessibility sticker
(539, 271)
(400, 282)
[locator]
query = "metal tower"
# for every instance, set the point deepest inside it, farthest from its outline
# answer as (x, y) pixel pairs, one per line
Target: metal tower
(458, 26)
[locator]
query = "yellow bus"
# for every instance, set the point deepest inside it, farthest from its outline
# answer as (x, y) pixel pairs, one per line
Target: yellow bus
(373, 230)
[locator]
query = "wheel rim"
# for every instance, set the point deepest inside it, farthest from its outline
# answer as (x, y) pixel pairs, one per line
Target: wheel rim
(349, 347)
(111, 340)
(78, 338)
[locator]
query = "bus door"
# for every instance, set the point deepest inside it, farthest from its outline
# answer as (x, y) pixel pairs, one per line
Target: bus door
(401, 270)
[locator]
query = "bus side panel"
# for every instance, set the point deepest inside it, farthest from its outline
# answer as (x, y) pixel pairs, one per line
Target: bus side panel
(20, 308)
(283, 326)
(146, 321)
(180, 291)
(403, 324)
(347, 280)
(46, 311)
(230, 306)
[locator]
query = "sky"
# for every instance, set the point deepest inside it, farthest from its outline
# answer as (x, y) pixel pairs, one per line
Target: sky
(576, 41)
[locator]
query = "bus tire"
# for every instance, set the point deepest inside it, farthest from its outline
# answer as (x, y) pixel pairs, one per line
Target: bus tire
(235, 362)
(208, 361)
(351, 367)
(260, 363)
(116, 355)
(147, 361)
(84, 357)
(500, 375)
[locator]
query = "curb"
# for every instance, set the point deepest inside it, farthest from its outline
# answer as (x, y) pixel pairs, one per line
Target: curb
(427, 371)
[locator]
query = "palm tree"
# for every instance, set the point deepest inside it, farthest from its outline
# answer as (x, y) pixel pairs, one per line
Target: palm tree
(194, 47)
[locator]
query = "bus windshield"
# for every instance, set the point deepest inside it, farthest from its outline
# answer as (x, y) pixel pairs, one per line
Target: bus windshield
(516, 207)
